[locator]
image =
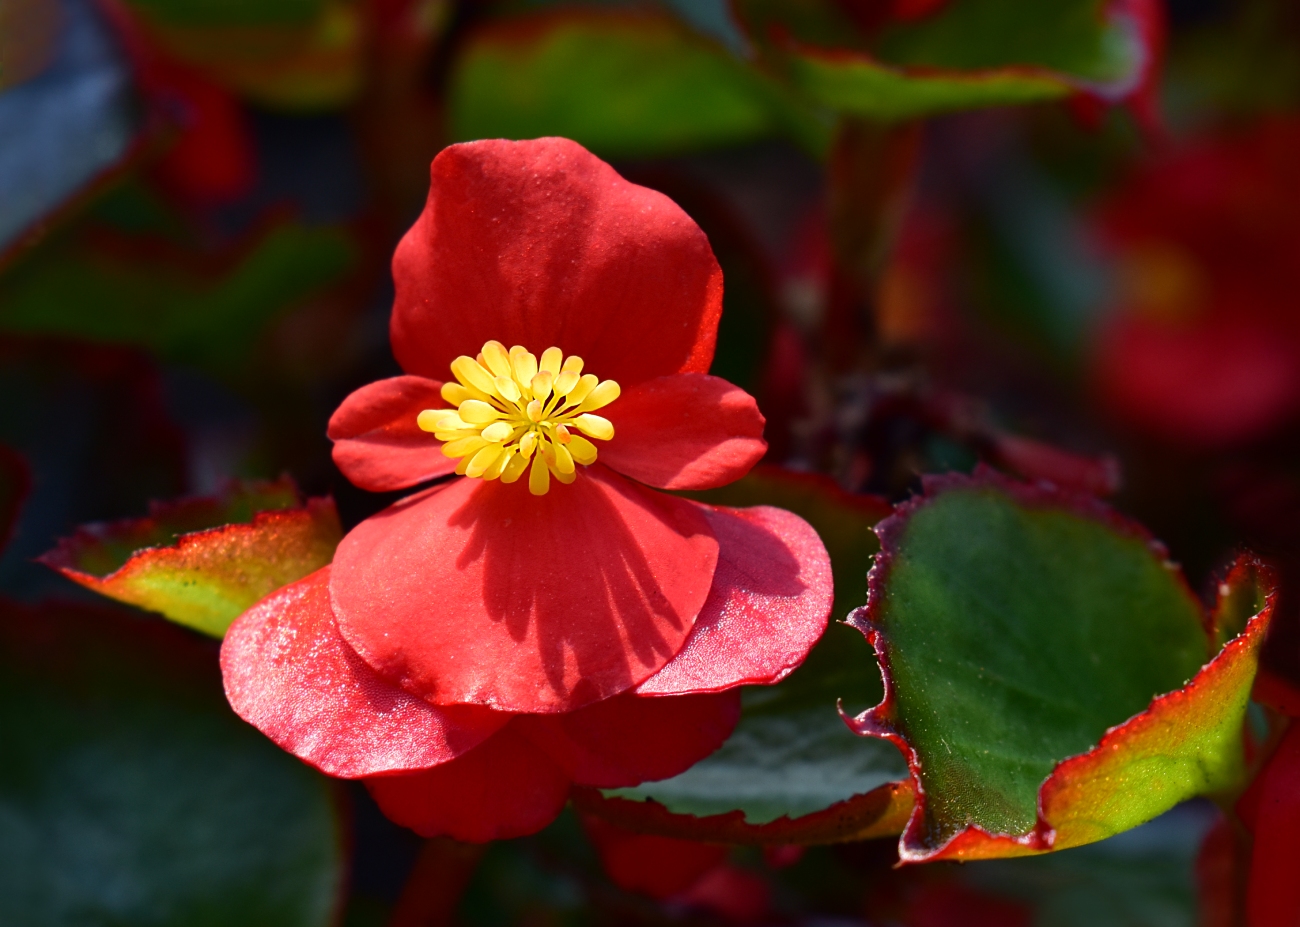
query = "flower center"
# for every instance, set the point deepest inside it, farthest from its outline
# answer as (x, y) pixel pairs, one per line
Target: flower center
(514, 413)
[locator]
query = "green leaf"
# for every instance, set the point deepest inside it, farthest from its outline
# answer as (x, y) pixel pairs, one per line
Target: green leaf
(1074, 38)
(203, 562)
(178, 308)
(1045, 671)
(130, 794)
(791, 756)
(623, 85)
(210, 13)
(972, 53)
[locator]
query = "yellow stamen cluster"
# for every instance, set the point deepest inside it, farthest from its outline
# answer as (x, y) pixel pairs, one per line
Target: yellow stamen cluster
(512, 410)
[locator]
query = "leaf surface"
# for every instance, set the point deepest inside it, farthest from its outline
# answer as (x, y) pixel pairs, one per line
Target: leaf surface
(202, 562)
(142, 292)
(621, 85)
(1044, 666)
(972, 53)
(130, 794)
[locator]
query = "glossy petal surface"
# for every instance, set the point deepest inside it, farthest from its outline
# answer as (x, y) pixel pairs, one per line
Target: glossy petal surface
(769, 603)
(377, 443)
(540, 243)
(629, 739)
(289, 674)
(482, 593)
(506, 787)
(689, 431)
(792, 772)
(188, 563)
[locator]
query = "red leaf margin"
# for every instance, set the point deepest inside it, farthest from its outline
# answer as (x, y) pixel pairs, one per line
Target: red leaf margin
(882, 812)
(1066, 789)
(305, 520)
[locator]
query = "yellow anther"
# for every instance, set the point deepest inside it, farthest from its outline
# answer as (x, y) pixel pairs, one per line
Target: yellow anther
(497, 357)
(471, 373)
(583, 389)
(498, 431)
(455, 394)
(565, 382)
(583, 451)
(550, 362)
(477, 412)
(602, 395)
(508, 389)
(462, 447)
(485, 458)
(514, 468)
(563, 459)
(539, 477)
(523, 363)
(504, 421)
(541, 386)
(593, 426)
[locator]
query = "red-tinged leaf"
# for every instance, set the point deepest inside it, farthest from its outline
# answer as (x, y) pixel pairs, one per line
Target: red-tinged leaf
(791, 773)
(881, 812)
(203, 561)
(970, 53)
(621, 83)
(1022, 635)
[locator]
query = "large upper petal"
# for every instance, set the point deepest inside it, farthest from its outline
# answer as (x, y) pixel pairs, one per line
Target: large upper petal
(377, 443)
(688, 431)
(629, 739)
(541, 243)
(769, 604)
(289, 674)
(506, 787)
(479, 592)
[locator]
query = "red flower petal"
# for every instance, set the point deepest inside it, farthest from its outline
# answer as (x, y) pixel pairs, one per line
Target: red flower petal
(289, 674)
(506, 787)
(656, 866)
(479, 592)
(1274, 892)
(769, 604)
(689, 431)
(541, 243)
(377, 443)
(628, 739)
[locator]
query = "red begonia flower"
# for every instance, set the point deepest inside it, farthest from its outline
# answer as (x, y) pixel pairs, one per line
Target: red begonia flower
(544, 618)
(1203, 345)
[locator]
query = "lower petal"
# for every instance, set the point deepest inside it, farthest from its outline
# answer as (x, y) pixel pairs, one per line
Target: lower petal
(686, 431)
(506, 787)
(377, 443)
(769, 604)
(289, 674)
(629, 739)
(481, 593)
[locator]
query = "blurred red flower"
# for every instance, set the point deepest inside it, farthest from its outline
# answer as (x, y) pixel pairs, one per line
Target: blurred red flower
(1204, 347)
(480, 646)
